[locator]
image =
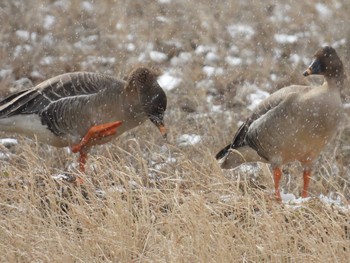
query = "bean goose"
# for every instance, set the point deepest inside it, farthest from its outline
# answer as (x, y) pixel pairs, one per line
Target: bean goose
(293, 124)
(82, 109)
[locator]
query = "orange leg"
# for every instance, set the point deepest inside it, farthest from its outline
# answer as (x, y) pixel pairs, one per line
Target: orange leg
(277, 173)
(82, 161)
(307, 176)
(96, 132)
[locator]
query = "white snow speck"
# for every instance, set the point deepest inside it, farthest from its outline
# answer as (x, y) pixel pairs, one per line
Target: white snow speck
(188, 139)
(157, 56)
(49, 21)
(241, 31)
(23, 34)
(164, 1)
(168, 82)
(285, 39)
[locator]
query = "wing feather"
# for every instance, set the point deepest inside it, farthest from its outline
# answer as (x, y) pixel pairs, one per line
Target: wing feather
(239, 139)
(63, 86)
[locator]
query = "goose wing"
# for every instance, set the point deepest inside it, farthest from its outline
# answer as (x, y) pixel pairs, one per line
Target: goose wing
(33, 100)
(270, 103)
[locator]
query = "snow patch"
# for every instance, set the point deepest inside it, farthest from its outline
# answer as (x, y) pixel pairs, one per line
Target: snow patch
(8, 142)
(202, 49)
(157, 56)
(285, 39)
(4, 156)
(210, 71)
(87, 6)
(182, 58)
(20, 49)
(188, 139)
(5, 73)
(241, 31)
(163, 19)
(168, 82)
(323, 10)
(49, 21)
(256, 98)
(47, 60)
(233, 61)
(211, 57)
(23, 34)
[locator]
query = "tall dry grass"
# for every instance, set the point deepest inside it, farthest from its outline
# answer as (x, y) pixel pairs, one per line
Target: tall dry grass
(147, 200)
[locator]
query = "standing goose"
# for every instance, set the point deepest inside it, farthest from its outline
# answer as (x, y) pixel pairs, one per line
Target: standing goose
(293, 124)
(82, 109)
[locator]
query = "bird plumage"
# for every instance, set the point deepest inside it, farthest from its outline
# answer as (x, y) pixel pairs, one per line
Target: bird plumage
(61, 110)
(294, 123)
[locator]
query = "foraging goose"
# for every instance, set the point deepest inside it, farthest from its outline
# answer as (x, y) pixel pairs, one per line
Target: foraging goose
(293, 124)
(82, 109)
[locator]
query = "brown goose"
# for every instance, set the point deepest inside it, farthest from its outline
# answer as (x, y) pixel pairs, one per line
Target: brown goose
(293, 124)
(82, 109)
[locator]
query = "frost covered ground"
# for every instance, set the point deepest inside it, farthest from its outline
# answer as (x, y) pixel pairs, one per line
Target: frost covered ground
(156, 200)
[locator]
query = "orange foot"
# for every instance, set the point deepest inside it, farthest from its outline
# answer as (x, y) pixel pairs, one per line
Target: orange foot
(277, 174)
(95, 132)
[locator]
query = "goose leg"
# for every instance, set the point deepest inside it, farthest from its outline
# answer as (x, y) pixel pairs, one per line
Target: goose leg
(277, 173)
(82, 161)
(307, 176)
(96, 132)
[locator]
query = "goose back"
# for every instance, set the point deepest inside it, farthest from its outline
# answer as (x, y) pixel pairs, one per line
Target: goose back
(33, 100)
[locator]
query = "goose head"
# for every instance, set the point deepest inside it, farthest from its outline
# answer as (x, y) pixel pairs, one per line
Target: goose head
(327, 63)
(152, 97)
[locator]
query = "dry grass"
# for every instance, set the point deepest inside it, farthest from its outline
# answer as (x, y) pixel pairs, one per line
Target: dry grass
(146, 200)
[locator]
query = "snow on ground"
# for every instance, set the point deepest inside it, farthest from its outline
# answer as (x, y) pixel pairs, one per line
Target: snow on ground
(169, 82)
(256, 98)
(188, 139)
(285, 39)
(8, 142)
(241, 31)
(237, 55)
(157, 56)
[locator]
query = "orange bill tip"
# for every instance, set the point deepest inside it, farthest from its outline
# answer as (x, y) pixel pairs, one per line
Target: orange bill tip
(307, 72)
(163, 131)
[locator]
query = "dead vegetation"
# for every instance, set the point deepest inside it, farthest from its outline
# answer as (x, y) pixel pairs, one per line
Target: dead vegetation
(146, 200)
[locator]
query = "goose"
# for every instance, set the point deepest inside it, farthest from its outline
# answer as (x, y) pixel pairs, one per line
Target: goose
(293, 124)
(83, 109)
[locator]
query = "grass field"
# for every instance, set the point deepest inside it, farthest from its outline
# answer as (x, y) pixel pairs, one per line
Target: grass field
(150, 200)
